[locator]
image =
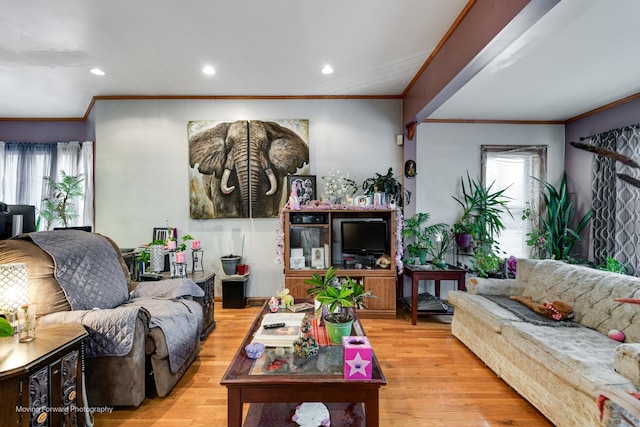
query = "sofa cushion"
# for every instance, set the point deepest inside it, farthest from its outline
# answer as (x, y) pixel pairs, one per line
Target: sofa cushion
(591, 293)
(627, 360)
(580, 356)
(485, 311)
(44, 290)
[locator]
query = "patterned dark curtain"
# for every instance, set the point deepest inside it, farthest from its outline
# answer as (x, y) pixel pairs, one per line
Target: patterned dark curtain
(616, 204)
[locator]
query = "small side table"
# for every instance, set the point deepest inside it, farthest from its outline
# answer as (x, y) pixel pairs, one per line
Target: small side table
(233, 290)
(43, 374)
(417, 273)
(205, 279)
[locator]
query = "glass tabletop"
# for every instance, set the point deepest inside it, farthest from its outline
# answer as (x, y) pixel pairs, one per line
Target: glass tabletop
(328, 361)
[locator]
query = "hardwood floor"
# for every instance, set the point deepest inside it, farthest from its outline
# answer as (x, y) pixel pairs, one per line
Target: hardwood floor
(432, 380)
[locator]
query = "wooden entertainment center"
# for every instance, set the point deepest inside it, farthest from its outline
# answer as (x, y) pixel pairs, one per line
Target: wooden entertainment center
(315, 237)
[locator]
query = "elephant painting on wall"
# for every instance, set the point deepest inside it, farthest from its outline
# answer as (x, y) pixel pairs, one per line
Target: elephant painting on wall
(238, 169)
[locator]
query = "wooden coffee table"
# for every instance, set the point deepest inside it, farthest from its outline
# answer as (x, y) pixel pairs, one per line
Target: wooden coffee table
(246, 383)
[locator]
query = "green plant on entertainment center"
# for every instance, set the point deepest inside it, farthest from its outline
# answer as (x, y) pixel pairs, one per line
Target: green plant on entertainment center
(334, 297)
(387, 184)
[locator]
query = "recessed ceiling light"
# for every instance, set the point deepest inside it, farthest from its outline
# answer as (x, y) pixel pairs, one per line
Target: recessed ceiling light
(208, 70)
(97, 71)
(327, 69)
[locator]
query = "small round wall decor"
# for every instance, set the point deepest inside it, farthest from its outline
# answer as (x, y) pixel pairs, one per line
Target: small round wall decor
(410, 169)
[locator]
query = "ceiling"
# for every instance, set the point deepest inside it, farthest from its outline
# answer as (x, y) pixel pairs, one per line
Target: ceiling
(579, 56)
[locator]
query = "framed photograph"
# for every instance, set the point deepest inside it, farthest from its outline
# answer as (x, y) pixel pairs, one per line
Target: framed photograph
(305, 187)
(162, 233)
(361, 200)
(410, 169)
(317, 257)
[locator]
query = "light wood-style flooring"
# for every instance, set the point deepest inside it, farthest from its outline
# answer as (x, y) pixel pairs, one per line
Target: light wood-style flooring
(432, 380)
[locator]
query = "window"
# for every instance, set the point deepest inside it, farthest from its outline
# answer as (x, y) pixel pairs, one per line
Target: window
(23, 165)
(515, 167)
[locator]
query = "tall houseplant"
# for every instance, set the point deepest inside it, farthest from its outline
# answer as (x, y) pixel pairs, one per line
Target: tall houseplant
(482, 210)
(557, 220)
(387, 184)
(58, 205)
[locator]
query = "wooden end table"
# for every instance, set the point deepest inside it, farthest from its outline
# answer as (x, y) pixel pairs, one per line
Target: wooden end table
(41, 381)
(245, 387)
(417, 273)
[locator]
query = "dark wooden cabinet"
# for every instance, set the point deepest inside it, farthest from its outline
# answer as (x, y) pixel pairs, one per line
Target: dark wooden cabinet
(41, 381)
(206, 282)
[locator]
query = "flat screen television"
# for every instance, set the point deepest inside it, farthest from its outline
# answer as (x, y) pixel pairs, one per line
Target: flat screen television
(364, 237)
(18, 219)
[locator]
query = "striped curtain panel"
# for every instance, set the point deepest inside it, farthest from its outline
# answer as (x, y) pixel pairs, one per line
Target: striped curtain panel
(616, 204)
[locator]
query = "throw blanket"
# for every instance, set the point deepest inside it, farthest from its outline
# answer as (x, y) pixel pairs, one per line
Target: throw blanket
(89, 272)
(87, 268)
(110, 331)
(180, 319)
(525, 313)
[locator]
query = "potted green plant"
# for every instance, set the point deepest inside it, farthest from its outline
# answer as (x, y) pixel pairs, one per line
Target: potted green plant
(462, 233)
(482, 210)
(421, 237)
(320, 283)
(389, 185)
(485, 261)
(442, 244)
(557, 219)
(338, 322)
(58, 204)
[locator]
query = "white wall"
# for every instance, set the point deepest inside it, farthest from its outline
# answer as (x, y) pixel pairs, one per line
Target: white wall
(446, 151)
(141, 173)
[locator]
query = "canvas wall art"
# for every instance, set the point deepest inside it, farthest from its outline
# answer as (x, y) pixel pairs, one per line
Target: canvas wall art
(238, 169)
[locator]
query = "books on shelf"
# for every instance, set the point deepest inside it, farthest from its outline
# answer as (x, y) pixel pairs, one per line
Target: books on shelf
(283, 336)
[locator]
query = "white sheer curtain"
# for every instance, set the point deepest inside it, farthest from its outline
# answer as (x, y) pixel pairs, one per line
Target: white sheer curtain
(23, 166)
(515, 167)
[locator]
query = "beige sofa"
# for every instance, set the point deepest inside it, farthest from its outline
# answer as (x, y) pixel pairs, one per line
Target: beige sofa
(556, 368)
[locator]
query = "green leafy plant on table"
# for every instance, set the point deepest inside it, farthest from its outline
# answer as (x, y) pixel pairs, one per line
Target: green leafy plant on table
(335, 298)
(423, 239)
